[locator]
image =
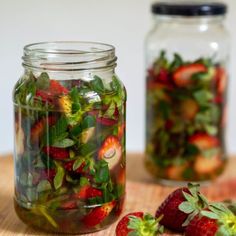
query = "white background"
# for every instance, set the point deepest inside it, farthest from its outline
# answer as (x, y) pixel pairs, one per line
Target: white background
(123, 23)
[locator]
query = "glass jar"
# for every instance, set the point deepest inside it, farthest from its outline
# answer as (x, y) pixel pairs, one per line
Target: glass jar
(69, 137)
(186, 84)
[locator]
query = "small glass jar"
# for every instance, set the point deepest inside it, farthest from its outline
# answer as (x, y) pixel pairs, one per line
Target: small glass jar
(69, 137)
(186, 90)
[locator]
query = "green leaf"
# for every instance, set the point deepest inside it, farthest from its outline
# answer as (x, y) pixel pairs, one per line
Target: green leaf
(210, 214)
(43, 185)
(97, 84)
(88, 122)
(64, 143)
(31, 194)
(186, 207)
(211, 129)
(58, 179)
(79, 161)
(210, 152)
(43, 81)
(102, 174)
(76, 130)
(83, 181)
(203, 96)
(110, 111)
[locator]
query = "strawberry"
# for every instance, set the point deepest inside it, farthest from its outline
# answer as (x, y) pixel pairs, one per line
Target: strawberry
(182, 76)
(204, 141)
(56, 153)
(175, 172)
(207, 165)
(38, 128)
(221, 78)
(180, 206)
(216, 220)
(98, 214)
(138, 223)
(68, 205)
(55, 89)
(88, 192)
(121, 131)
(111, 151)
(189, 109)
(106, 121)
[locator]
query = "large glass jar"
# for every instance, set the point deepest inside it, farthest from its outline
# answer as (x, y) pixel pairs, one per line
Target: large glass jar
(69, 137)
(187, 61)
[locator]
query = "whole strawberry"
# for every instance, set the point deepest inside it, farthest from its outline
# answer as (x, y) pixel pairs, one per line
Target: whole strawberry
(180, 207)
(217, 220)
(139, 224)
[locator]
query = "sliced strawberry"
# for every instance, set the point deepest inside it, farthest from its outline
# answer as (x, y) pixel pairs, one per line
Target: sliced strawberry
(106, 121)
(56, 153)
(88, 192)
(188, 109)
(175, 172)
(153, 85)
(98, 215)
(69, 205)
(207, 165)
(55, 89)
(121, 130)
(38, 128)
(221, 77)
(204, 141)
(111, 151)
(182, 76)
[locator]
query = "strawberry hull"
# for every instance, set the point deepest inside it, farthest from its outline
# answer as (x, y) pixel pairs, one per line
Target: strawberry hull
(184, 131)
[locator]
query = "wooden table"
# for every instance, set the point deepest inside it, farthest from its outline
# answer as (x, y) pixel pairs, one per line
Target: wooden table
(143, 194)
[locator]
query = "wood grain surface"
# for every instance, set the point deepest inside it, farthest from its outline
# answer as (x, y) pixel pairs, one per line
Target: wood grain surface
(143, 194)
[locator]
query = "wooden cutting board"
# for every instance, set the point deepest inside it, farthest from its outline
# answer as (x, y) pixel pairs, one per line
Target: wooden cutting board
(143, 194)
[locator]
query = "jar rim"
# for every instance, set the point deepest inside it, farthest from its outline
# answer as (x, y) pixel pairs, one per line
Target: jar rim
(38, 47)
(69, 55)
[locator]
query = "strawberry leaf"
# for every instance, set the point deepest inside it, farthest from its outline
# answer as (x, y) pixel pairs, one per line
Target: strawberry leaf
(65, 143)
(43, 81)
(210, 215)
(78, 163)
(186, 207)
(43, 185)
(58, 179)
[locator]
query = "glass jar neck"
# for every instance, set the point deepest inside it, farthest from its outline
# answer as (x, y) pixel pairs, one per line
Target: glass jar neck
(186, 20)
(70, 57)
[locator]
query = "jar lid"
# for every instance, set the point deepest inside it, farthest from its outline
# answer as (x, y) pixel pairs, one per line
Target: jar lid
(194, 8)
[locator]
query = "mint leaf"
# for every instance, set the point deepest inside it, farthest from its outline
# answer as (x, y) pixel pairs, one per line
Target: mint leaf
(102, 174)
(58, 179)
(65, 143)
(78, 163)
(43, 81)
(43, 185)
(203, 96)
(83, 181)
(88, 122)
(97, 84)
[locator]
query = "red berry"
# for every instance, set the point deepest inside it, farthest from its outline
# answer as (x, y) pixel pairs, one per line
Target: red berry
(173, 218)
(56, 153)
(182, 76)
(98, 215)
(88, 192)
(111, 151)
(122, 227)
(201, 226)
